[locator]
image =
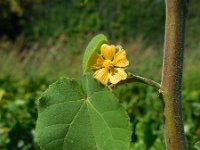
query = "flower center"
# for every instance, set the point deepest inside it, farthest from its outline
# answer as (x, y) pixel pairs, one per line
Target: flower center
(107, 63)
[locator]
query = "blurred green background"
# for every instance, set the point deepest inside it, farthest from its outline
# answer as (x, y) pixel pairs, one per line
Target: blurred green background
(43, 40)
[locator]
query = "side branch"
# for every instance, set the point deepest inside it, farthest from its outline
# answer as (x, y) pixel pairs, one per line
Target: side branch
(140, 79)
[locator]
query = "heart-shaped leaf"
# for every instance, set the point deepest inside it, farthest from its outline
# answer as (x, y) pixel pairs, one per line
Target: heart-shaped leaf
(92, 50)
(81, 117)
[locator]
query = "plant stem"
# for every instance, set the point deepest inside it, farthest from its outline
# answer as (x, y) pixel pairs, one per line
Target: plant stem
(172, 74)
(140, 79)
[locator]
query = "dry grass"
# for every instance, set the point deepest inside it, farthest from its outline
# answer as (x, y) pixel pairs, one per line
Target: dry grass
(64, 58)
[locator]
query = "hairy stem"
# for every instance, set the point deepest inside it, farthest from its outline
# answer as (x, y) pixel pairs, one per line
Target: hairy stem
(140, 79)
(172, 74)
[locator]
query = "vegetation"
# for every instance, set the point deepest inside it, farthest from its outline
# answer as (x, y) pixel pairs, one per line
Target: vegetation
(50, 44)
(126, 19)
(25, 78)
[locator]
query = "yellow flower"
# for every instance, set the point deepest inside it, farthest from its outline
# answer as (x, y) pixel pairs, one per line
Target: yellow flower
(110, 65)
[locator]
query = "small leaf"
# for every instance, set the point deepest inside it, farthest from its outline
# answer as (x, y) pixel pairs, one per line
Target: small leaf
(197, 145)
(81, 117)
(91, 50)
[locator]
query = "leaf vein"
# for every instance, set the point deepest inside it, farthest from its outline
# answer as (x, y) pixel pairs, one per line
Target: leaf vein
(102, 119)
(61, 103)
(72, 123)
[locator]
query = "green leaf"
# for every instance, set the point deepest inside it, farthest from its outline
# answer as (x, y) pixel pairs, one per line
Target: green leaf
(2, 93)
(92, 49)
(81, 117)
(197, 145)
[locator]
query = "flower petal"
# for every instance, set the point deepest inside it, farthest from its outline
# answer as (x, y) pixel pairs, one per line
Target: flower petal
(102, 75)
(116, 75)
(99, 62)
(120, 59)
(108, 51)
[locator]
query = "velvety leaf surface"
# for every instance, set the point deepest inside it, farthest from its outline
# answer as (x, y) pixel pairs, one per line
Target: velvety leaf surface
(92, 49)
(82, 116)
